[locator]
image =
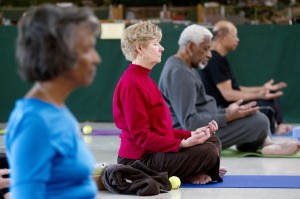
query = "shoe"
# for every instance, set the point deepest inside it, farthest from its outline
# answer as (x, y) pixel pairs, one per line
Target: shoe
(99, 168)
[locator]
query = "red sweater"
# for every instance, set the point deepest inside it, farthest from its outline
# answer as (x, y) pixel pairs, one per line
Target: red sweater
(140, 112)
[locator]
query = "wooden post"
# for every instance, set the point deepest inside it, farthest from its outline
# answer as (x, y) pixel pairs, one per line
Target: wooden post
(200, 13)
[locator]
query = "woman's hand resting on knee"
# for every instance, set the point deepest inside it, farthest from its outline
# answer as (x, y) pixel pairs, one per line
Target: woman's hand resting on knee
(200, 135)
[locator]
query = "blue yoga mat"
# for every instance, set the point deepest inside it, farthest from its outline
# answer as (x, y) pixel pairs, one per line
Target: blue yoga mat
(252, 181)
(290, 134)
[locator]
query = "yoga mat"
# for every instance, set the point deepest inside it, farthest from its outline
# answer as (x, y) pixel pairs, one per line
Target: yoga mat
(96, 132)
(232, 153)
(117, 132)
(290, 134)
(252, 181)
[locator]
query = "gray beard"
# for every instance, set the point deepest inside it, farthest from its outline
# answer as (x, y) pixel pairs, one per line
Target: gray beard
(201, 66)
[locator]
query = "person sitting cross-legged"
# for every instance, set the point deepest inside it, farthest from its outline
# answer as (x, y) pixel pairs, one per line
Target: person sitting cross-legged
(220, 82)
(184, 93)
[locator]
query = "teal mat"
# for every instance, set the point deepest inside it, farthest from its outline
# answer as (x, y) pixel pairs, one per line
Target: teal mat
(232, 153)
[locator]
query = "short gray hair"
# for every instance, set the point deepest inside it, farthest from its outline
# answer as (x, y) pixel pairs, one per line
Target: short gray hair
(193, 33)
(47, 35)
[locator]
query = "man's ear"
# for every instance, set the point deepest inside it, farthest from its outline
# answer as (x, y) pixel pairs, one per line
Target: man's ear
(222, 38)
(190, 46)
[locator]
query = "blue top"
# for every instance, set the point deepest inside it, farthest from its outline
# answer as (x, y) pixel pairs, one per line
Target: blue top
(47, 157)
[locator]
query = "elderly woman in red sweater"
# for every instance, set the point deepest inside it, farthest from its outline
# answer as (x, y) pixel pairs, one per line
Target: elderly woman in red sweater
(140, 112)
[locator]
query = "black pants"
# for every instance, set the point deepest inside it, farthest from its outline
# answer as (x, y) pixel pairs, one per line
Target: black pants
(3, 165)
(272, 109)
(188, 162)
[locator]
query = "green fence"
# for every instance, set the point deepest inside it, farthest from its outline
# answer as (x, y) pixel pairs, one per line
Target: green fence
(265, 51)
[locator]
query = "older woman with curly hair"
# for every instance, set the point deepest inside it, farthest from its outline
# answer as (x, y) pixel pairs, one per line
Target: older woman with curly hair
(145, 121)
(47, 157)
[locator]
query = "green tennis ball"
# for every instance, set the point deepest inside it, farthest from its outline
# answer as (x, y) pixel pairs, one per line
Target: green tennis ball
(2, 131)
(87, 129)
(175, 182)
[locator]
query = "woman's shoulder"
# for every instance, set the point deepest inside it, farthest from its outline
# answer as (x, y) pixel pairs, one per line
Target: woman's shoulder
(38, 119)
(33, 109)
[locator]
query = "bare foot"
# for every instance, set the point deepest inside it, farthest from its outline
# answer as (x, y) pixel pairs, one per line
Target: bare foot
(200, 179)
(283, 129)
(222, 171)
(287, 148)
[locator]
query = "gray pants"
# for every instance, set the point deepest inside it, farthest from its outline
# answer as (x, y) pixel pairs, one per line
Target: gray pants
(199, 159)
(248, 133)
